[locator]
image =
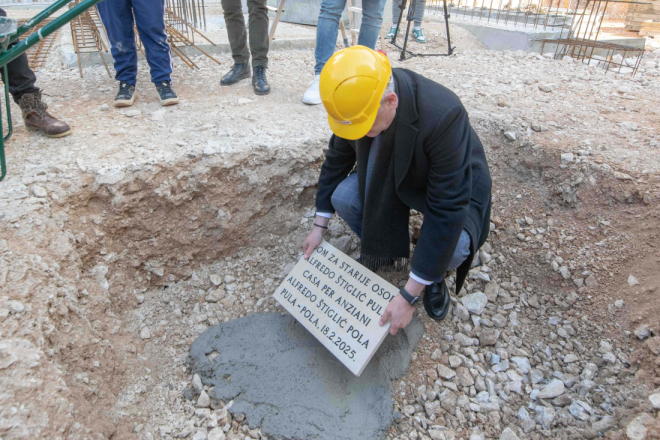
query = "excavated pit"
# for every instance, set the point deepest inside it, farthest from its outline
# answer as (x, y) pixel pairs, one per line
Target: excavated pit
(124, 275)
(159, 226)
(151, 238)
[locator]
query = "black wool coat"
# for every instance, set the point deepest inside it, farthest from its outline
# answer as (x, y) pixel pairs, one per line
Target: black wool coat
(440, 170)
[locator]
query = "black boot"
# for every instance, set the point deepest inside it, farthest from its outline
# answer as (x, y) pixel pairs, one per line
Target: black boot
(436, 300)
(259, 81)
(238, 72)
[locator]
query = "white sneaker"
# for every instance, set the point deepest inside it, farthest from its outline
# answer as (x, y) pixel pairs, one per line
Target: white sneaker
(313, 96)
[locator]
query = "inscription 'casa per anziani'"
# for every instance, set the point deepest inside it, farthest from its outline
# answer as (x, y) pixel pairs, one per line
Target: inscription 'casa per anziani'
(340, 302)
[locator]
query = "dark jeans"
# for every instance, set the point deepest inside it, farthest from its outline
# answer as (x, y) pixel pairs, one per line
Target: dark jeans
(258, 24)
(21, 78)
(118, 17)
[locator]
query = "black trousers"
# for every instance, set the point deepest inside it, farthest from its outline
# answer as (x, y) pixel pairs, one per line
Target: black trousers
(21, 78)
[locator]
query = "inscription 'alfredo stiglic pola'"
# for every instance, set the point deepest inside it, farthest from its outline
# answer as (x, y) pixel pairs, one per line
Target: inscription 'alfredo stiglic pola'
(340, 302)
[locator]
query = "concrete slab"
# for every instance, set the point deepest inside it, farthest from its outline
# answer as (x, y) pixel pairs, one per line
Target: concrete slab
(510, 16)
(287, 383)
(500, 37)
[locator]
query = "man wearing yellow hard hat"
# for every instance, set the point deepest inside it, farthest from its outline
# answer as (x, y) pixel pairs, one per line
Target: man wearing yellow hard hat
(402, 142)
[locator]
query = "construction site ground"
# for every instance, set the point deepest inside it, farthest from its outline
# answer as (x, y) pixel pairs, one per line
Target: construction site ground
(124, 241)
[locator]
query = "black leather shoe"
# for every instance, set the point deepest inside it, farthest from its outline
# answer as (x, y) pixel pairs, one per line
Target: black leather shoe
(259, 81)
(238, 72)
(436, 300)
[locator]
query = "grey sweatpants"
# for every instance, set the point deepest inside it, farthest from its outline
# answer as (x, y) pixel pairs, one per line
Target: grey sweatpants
(420, 5)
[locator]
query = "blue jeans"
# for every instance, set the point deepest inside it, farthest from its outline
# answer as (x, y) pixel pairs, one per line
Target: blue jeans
(328, 26)
(118, 17)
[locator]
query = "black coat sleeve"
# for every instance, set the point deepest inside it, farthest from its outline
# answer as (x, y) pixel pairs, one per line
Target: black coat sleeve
(447, 194)
(339, 162)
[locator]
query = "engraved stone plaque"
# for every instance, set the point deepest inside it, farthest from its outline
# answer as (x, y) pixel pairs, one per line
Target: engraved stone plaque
(340, 302)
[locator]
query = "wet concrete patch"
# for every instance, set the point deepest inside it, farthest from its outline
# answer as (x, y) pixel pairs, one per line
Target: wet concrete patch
(288, 384)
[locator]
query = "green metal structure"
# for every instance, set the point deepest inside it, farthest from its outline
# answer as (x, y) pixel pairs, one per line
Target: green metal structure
(10, 33)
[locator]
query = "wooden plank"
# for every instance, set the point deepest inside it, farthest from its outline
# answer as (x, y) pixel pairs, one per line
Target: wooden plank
(646, 17)
(279, 9)
(649, 32)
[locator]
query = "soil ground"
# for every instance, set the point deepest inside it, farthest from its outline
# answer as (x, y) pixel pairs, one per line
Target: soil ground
(122, 242)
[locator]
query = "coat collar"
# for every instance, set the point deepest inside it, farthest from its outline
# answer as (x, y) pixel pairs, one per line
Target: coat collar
(405, 137)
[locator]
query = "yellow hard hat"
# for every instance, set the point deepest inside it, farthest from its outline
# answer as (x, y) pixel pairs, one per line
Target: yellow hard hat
(351, 85)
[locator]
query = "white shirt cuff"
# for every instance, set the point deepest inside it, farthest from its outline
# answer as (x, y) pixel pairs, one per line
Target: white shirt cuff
(419, 280)
(325, 214)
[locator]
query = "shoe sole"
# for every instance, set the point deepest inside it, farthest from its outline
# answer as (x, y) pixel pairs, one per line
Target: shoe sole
(66, 133)
(125, 102)
(170, 101)
(261, 93)
(311, 103)
(238, 80)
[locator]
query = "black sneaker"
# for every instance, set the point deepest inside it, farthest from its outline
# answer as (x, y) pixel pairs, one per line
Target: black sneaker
(238, 72)
(167, 95)
(259, 81)
(126, 95)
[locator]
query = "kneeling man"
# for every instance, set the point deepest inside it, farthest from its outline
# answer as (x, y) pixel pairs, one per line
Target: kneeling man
(402, 142)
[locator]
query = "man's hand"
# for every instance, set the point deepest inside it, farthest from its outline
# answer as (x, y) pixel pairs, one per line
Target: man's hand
(315, 237)
(312, 241)
(398, 311)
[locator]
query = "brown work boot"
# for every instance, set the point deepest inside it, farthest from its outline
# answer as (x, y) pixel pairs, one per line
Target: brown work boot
(37, 118)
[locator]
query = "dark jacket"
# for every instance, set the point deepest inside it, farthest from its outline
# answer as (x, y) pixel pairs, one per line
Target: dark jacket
(440, 170)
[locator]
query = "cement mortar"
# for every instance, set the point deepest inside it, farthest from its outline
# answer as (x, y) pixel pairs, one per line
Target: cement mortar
(287, 383)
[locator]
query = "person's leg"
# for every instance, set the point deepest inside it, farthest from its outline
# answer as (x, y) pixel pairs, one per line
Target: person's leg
(117, 17)
(436, 296)
(461, 252)
(20, 78)
(372, 20)
(258, 27)
(417, 21)
(396, 11)
(150, 23)
(235, 23)
(348, 204)
(21, 82)
(326, 31)
(420, 5)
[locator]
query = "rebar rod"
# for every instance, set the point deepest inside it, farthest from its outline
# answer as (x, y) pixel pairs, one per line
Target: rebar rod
(554, 23)
(34, 21)
(601, 19)
(527, 12)
(48, 29)
(563, 25)
(517, 10)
